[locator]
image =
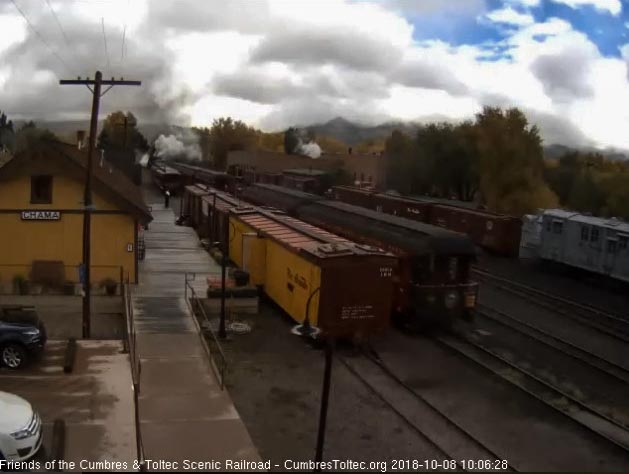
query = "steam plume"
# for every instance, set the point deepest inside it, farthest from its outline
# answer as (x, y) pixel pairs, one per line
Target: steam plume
(179, 145)
(310, 149)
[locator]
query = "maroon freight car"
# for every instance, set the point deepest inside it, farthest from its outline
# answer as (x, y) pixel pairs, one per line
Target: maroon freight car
(355, 196)
(495, 232)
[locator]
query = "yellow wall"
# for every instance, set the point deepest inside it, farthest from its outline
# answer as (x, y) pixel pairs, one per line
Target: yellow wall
(279, 263)
(67, 193)
(256, 263)
(21, 242)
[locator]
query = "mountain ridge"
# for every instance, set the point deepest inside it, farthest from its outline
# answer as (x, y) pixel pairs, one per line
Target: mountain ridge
(348, 132)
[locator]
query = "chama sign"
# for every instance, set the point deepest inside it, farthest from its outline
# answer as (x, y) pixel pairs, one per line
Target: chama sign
(41, 215)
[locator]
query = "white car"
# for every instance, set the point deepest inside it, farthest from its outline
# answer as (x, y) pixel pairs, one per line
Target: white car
(20, 428)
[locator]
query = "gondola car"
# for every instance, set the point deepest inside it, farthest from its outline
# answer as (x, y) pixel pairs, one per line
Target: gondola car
(433, 283)
(341, 287)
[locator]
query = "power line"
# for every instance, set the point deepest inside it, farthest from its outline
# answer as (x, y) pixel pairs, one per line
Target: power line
(42, 39)
(63, 33)
(105, 40)
(124, 33)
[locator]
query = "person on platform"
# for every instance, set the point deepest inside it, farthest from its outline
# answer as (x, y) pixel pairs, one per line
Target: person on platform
(166, 198)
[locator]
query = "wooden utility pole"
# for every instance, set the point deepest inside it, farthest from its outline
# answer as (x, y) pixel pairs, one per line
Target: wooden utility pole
(97, 82)
(125, 123)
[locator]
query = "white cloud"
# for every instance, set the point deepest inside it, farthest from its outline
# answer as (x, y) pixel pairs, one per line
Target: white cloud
(285, 63)
(13, 31)
(510, 16)
(612, 6)
(410, 103)
(524, 3)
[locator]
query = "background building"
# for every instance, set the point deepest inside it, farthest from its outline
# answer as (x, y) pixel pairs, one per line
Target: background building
(359, 167)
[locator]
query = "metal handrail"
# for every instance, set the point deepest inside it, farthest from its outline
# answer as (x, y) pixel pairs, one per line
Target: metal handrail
(136, 369)
(194, 303)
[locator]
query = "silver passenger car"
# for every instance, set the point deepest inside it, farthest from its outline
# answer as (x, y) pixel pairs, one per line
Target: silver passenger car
(591, 243)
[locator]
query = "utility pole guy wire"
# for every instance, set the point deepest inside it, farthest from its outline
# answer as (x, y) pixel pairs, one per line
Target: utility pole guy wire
(102, 19)
(41, 38)
(63, 33)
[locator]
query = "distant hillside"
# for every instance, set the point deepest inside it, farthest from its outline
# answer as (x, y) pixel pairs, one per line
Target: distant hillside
(339, 128)
(555, 151)
(352, 133)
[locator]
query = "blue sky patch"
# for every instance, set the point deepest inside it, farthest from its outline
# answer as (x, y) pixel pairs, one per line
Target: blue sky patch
(605, 30)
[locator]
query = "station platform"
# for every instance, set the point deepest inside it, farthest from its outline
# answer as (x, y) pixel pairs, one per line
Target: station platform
(184, 414)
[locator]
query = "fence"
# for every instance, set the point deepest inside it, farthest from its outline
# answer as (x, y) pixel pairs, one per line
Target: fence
(136, 366)
(47, 276)
(211, 342)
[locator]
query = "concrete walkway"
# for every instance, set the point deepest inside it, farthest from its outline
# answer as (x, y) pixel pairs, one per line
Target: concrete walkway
(183, 412)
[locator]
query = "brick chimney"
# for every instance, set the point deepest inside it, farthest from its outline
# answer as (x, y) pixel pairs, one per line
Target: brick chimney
(80, 138)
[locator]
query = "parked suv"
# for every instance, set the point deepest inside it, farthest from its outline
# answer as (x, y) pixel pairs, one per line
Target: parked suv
(20, 428)
(22, 335)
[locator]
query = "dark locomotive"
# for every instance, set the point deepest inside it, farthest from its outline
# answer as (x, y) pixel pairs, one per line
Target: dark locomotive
(167, 178)
(190, 174)
(432, 283)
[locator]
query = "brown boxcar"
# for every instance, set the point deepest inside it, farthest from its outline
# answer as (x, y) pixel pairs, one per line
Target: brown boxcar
(215, 211)
(399, 206)
(191, 205)
(495, 232)
(381, 202)
(353, 195)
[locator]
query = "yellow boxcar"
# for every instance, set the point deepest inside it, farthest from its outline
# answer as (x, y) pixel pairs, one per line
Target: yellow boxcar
(248, 250)
(343, 288)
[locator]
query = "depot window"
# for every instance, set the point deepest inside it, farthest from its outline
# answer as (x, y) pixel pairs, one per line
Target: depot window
(557, 227)
(585, 233)
(622, 242)
(41, 189)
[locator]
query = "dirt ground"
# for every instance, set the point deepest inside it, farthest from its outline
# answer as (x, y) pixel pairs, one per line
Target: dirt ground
(275, 381)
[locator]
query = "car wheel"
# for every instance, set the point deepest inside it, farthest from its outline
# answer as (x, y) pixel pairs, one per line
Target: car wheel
(13, 356)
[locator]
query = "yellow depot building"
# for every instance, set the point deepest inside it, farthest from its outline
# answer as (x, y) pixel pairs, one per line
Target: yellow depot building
(41, 217)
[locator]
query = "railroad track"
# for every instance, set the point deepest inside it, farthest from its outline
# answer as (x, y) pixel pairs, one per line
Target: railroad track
(448, 437)
(554, 397)
(606, 322)
(613, 369)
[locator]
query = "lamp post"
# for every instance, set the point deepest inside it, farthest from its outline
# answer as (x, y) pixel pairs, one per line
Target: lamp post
(221, 326)
(308, 330)
(325, 395)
